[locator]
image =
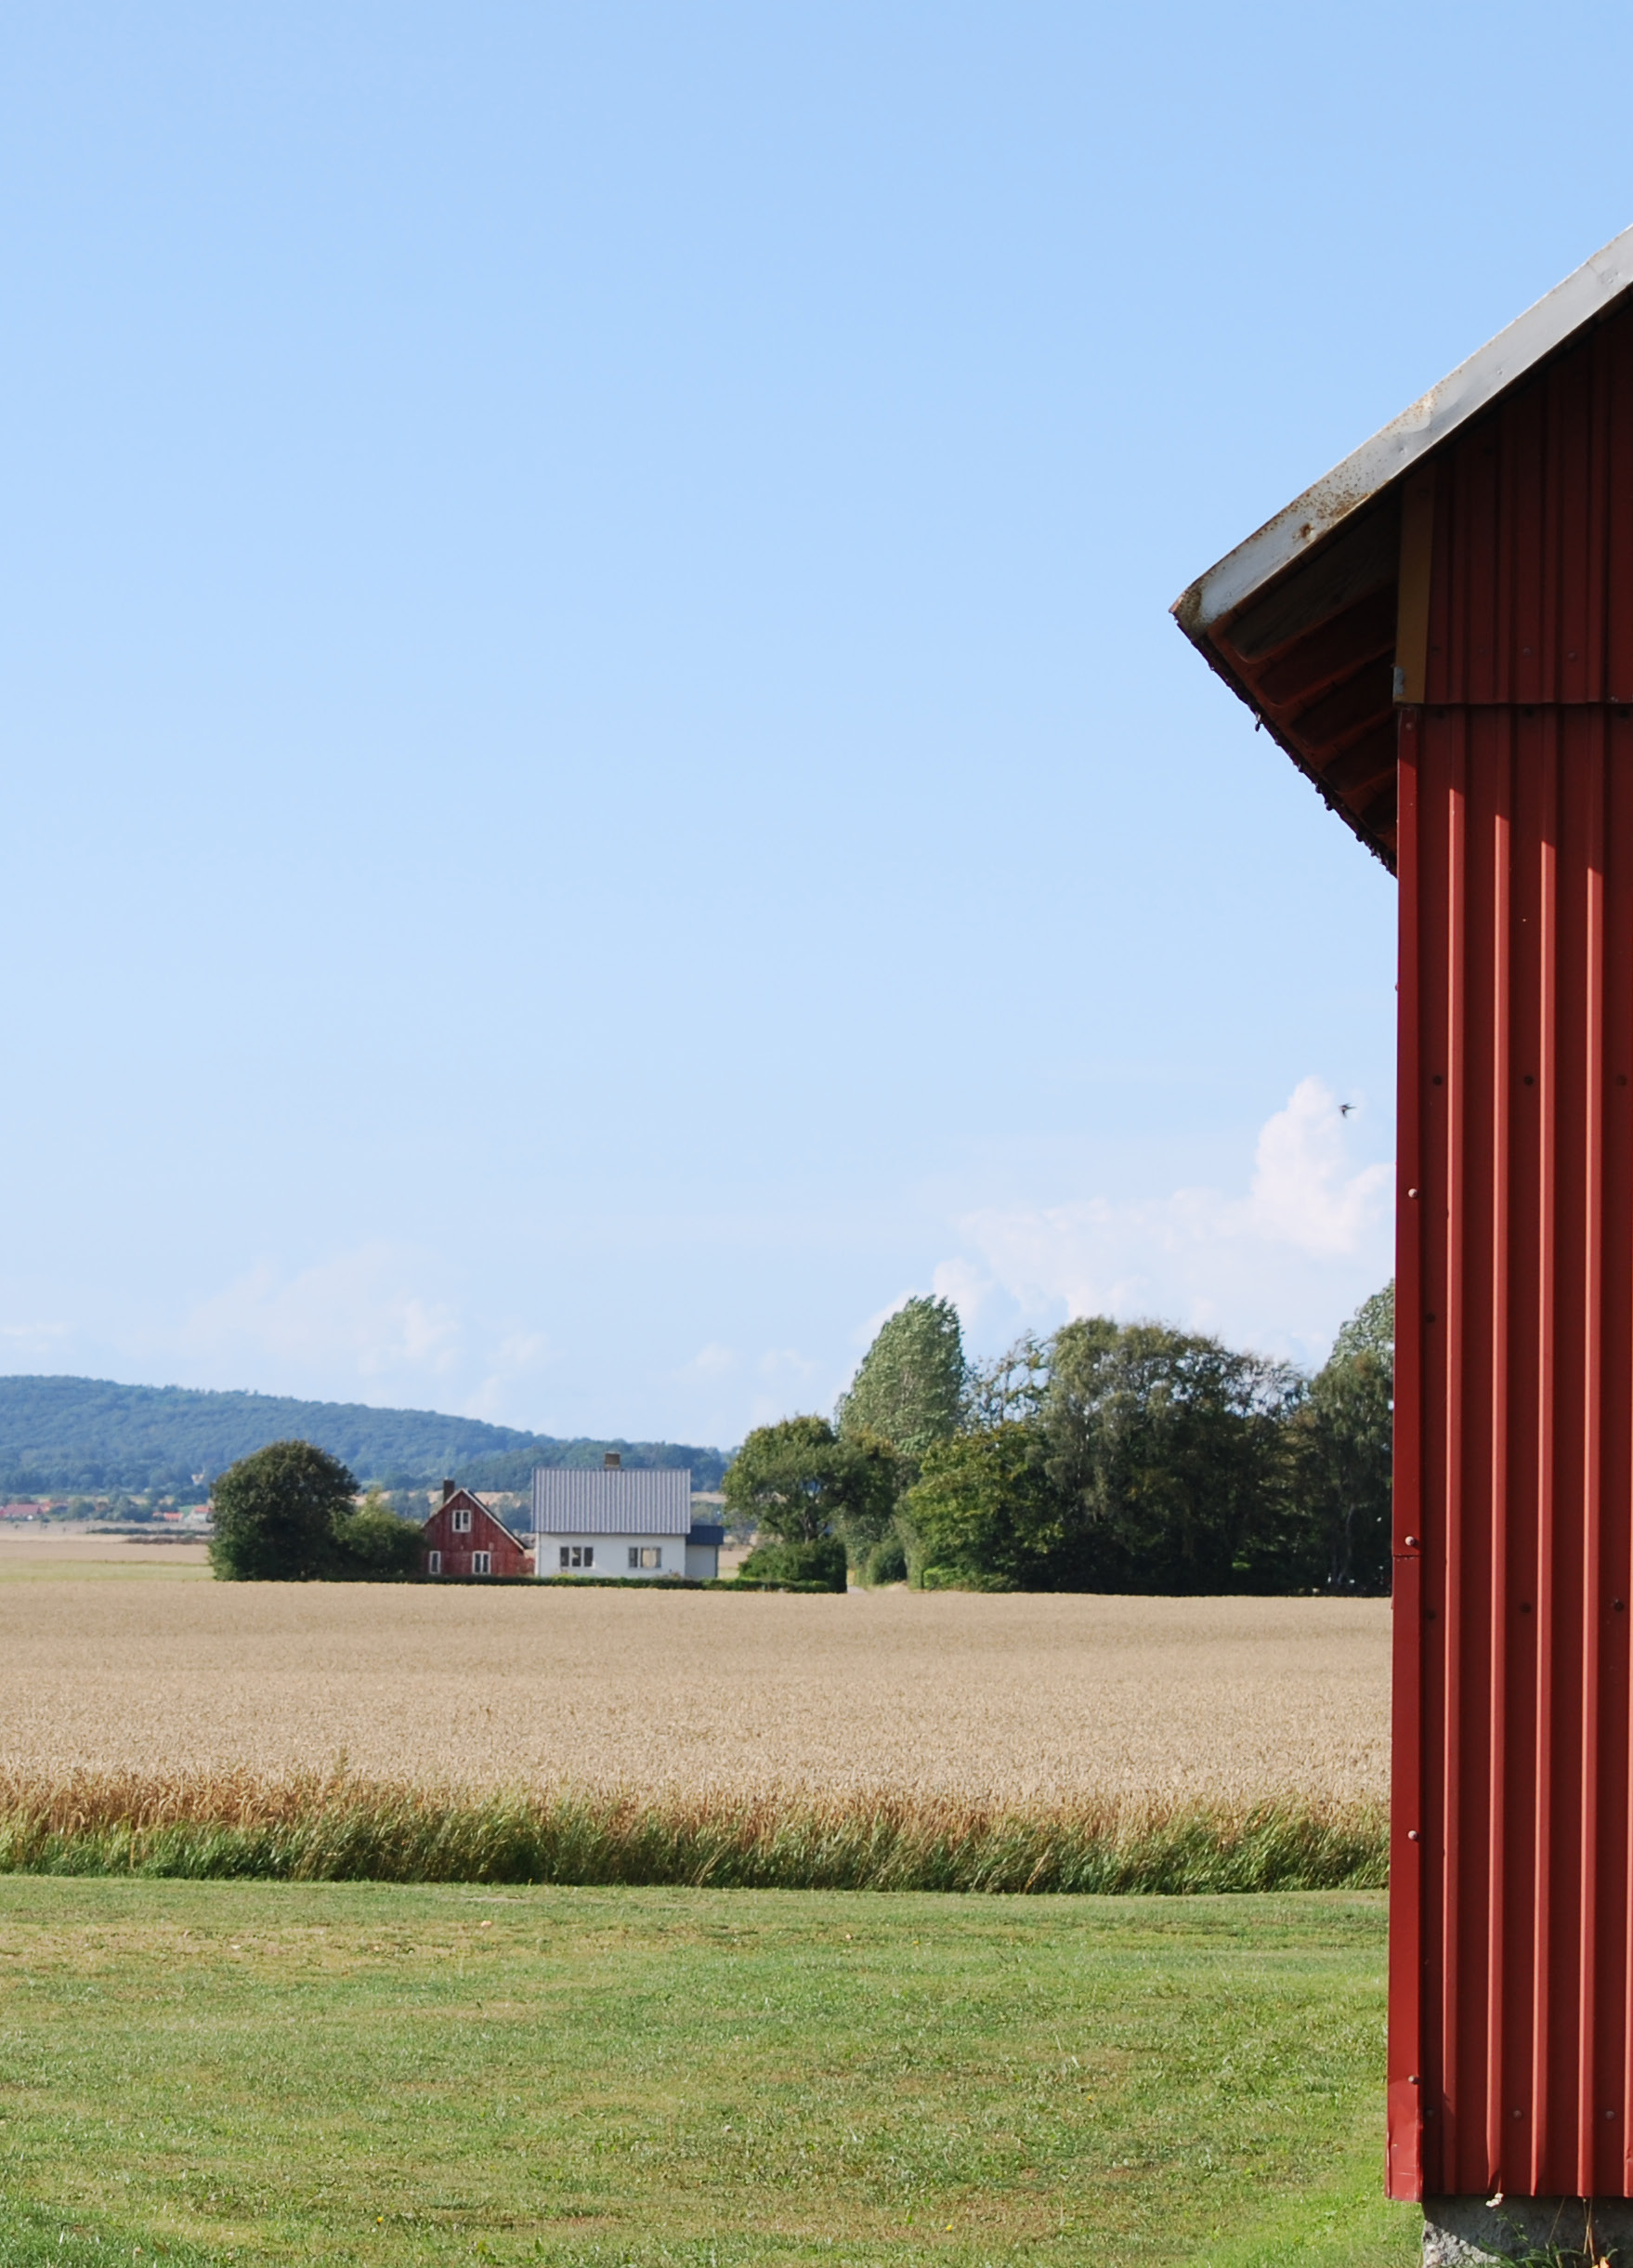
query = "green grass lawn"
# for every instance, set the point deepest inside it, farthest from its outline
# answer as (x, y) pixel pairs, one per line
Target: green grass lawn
(345, 2073)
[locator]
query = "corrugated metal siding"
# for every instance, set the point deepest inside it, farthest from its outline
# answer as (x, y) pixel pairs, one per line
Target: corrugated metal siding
(627, 1503)
(1512, 2046)
(1533, 584)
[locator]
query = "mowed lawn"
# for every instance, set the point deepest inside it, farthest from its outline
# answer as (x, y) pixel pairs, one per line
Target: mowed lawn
(348, 2073)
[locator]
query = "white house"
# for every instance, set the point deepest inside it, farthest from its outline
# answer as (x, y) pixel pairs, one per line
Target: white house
(629, 1523)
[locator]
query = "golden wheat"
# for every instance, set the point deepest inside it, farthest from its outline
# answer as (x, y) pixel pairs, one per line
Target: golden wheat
(995, 1701)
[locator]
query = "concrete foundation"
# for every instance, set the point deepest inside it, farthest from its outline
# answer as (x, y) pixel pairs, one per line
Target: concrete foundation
(1474, 2233)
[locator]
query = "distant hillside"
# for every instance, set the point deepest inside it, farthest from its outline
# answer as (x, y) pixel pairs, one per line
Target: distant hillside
(89, 1436)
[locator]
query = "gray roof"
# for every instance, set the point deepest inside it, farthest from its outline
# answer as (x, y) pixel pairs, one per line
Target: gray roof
(1474, 384)
(569, 1501)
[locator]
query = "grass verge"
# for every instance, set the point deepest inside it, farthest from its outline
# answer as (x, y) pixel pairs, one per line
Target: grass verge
(340, 1829)
(296, 2073)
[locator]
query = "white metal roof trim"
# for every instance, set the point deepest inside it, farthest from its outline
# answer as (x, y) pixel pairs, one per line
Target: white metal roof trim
(1470, 388)
(568, 1501)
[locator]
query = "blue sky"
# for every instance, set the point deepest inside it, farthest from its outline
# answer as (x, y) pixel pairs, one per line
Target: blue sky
(598, 781)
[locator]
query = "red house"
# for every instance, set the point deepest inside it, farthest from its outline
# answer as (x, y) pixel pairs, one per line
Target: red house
(1440, 632)
(464, 1538)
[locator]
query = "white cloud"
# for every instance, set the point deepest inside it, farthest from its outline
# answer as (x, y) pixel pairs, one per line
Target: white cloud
(1279, 1267)
(866, 1333)
(514, 1361)
(1302, 1193)
(711, 1362)
(963, 1283)
(786, 1362)
(357, 1316)
(32, 1338)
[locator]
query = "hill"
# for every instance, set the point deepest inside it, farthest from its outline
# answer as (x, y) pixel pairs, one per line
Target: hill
(91, 1436)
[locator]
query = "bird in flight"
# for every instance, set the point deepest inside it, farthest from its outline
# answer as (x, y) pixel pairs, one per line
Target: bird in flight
(1345, 1108)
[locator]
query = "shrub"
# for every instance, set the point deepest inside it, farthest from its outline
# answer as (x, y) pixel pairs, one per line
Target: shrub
(820, 1561)
(373, 1544)
(887, 1562)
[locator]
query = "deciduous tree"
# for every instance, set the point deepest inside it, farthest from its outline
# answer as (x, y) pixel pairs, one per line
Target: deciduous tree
(801, 1480)
(1344, 1442)
(984, 1515)
(276, 1513)
(909, 1385)
(1173, 1452)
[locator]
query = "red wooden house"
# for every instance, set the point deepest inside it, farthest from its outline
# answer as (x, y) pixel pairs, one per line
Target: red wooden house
(1440, 632)
(464, 1538)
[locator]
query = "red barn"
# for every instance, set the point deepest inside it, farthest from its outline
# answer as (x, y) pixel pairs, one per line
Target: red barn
(464, 1538)
(1440, 634)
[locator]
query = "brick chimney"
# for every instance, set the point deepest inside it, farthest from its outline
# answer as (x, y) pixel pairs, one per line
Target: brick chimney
(450, 1488)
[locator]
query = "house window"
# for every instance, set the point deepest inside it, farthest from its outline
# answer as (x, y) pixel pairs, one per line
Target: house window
(481, 1563)
(650, 1556)
(432, 1563)
(577, 1556)
(634, 1556)
(462, 1521)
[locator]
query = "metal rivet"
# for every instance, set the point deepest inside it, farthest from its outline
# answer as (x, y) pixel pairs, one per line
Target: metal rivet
(1412, 1836)
(1411, 1543)
(1530, 1081)
(1411, 1193)
(1414, 2080)
(1524, 1607)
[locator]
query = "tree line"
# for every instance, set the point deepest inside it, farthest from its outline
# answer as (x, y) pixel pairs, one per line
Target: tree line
(91, 1438)
(1121, 1457)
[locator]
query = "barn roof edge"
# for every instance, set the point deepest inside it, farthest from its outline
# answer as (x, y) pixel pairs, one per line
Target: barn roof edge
(1584, 295)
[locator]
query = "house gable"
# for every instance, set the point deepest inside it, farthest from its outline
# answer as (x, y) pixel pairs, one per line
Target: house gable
(464, 1538)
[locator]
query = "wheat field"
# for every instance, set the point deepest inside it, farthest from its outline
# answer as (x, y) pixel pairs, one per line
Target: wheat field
(1001, 1702)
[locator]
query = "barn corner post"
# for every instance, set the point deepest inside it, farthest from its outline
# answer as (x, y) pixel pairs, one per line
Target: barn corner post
(1440, 634)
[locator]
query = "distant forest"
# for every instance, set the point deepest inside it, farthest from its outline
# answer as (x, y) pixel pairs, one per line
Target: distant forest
(89, 1436)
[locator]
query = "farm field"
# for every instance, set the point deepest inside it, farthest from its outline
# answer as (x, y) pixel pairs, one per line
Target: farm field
(302, 2073)
(55, 1557)
(1002, 1701)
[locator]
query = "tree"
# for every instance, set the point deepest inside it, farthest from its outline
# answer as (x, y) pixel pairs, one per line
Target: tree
(1174, 1452)
(984, 1513)
(799, 1481)
(1009, 1389)
(909, 1385)
(1345, 1443)
(275, 1515)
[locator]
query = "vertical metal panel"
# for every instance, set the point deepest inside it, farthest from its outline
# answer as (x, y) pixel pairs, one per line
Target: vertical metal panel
(1404, 2089)
(1512, 1897)
(1512, 1996)
(1533, 567)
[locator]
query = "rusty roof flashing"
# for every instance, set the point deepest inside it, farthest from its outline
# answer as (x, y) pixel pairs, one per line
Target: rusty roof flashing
(1307, 620)
(1584, 296)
